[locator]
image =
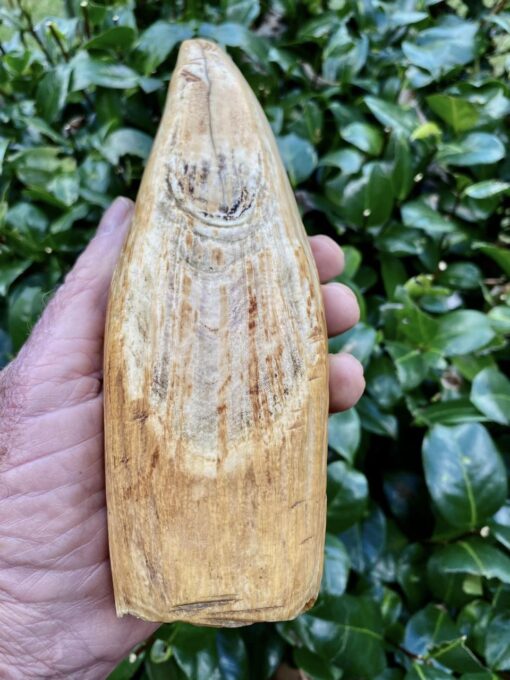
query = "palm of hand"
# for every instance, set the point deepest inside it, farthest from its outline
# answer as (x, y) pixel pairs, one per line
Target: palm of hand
(53, 530)
(56, 597)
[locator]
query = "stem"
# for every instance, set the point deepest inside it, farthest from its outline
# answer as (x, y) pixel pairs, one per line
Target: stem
(33, 32)
(84, 6)
(69, 8)
(51, 26)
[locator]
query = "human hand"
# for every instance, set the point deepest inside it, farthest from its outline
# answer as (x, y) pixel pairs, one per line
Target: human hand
(57, 612)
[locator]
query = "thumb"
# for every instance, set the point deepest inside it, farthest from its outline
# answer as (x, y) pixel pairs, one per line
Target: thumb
(66, 345)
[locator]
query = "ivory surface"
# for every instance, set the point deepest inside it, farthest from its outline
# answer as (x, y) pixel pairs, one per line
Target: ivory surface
(216, 373)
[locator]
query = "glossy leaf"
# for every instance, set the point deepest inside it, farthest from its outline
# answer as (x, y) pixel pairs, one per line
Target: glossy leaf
(427, 628)
(126, 141)
(464, 473)
(157, 42)
(440, 49)
(487, 189)
(376, 421)
(344, 432)
(497, 642)
(490, 393)
(52, 92)
(336, 567)
(365, 137)
(347, 493)
(419, 215)
(88, 71)
(473, 556)
(462, 332)
(477, 148)
(402, 120)
(299, 156)
(345, 630)
(366, 541)
(314, 666)
(459, 113)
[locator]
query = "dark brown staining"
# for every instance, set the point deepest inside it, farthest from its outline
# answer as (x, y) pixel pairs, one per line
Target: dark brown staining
(205, 184)
(155, 458)
(189, 77)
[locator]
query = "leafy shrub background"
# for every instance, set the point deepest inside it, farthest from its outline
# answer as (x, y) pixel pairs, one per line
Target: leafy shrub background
(392, 119)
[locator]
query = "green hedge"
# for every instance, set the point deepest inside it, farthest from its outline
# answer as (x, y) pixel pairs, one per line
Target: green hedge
(392, 119)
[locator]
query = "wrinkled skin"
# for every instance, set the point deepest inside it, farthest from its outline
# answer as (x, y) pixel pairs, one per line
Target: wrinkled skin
(57, 614)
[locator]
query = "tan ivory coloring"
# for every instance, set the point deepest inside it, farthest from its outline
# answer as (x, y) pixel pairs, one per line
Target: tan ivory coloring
(216, 373)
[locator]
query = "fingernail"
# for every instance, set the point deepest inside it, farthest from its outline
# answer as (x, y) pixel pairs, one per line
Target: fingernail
(116, 214)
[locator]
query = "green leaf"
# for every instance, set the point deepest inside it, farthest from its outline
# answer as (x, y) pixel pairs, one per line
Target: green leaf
(127, 668)
(423, 672)
(40, 165)
(126, 141)
(336, 567)
(376, 421)
(500, 255)
(393, 273)
(52, 92)
(461, 275)
(299, 157)
(464, 473)
(487, 189)
(232, 657)
(349, 161)
(472, 556)
(314, 667)
(9, 272)
(497, 642)
(89, 71)
(426, 130)
(242, 11)
(347, 496)
(419, 215)
(382, 383)
(365, 137)
(24, 308)
(400, 241)
(490, 393)
(352, 261)
(455, 655)
(344, 433)
(368, 201)
(366, 541)
(402, 175)
(462, 332)
(449, 412)
(195, 651)
(449, 44)
(477, 148)
(157, 42)
(345, 630)
(236, 35)
(116, 37)
(500, 525)
(401, 120)
(358, 341)
(412, 365)
(459, 113)
(161, 651)
(428, 627)
(266, 649)
(499, 317)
